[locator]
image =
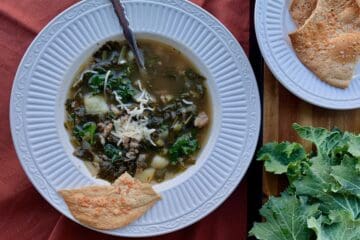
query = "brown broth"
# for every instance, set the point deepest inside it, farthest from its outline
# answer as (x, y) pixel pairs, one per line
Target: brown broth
(171, 79)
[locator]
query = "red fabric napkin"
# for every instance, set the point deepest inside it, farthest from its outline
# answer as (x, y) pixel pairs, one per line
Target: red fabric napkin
(24, 214)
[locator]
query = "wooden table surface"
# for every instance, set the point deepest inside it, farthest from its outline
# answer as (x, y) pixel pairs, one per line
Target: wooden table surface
(282, 109)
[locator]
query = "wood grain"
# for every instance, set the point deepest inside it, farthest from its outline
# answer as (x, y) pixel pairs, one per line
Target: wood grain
(282, 109)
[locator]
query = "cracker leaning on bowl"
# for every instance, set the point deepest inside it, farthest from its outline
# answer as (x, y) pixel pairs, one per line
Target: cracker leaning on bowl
(111, 207)
(329, 41)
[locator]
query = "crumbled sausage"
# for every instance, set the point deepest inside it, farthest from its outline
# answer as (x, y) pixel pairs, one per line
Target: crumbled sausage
(134, 144)
(131, 155)
(141, 162)
(102, 139)
(201, 120)
(101, 126)
(107, 130)
(112, 139)
(126, 142)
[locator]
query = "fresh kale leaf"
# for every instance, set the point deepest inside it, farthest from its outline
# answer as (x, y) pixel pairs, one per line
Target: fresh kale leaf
(354, 146)
(328, 178)
(339, 201)
(184, 146)
(286, 218)
(322, 188)
(347, 175)
(317, 179)
(314, 135)
(338, 225)
(328, 143)
(279, 156)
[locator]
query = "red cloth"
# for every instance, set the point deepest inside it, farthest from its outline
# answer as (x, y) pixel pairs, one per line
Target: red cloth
(24, 214)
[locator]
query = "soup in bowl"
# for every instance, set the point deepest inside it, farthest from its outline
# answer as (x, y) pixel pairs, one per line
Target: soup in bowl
(151, 124)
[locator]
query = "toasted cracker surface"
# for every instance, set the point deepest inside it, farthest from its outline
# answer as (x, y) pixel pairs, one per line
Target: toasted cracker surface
(301, 10)
(111, 207)
(329, 41)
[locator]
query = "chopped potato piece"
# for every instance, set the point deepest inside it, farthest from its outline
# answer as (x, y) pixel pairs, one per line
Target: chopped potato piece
(159, 162)
(146, 176)
(95, 105)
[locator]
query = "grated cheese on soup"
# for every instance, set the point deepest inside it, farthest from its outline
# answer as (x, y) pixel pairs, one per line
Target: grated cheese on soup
(127, 127)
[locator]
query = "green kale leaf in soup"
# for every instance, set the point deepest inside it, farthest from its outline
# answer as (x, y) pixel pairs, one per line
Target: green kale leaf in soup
(112, 152)
(123, 88)
(184, 146)
(122, 120)
(96, 83)
(85, 132)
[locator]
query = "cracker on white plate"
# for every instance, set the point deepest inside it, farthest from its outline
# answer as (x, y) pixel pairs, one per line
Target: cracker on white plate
(329, 41)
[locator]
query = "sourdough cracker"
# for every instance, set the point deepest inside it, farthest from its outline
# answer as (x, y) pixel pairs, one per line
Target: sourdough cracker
(111, 207)
(329, 41)
(301, 10)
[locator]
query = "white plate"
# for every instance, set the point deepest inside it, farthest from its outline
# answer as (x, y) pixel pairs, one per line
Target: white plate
(273, 23)
(45, 74)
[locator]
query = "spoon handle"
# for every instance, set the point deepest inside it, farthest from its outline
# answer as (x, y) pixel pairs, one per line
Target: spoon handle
(128, 33)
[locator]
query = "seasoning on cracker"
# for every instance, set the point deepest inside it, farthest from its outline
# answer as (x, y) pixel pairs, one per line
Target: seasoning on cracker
(111, 207)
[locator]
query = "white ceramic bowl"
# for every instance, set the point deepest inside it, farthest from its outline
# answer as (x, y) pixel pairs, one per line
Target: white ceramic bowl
(46, 72)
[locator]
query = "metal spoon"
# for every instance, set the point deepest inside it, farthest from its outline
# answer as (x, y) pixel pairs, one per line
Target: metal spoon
(128, 33)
